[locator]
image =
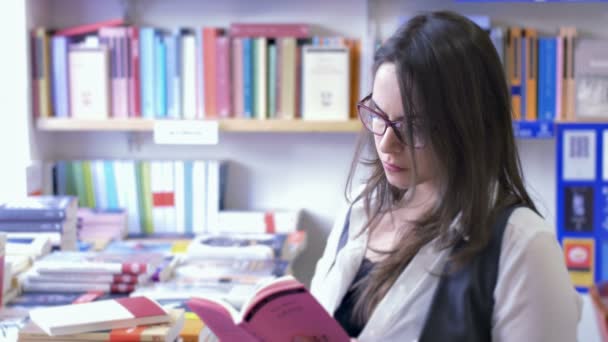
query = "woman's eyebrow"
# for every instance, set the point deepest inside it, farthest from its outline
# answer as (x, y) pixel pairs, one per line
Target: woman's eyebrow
(375, 106)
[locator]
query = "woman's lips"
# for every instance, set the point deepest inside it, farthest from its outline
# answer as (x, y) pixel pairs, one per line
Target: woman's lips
(392, 167)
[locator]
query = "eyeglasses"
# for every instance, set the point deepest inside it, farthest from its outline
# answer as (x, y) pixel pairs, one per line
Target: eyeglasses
(377, 122)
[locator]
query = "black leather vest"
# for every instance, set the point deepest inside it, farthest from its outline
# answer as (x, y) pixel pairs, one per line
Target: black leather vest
(463, 303)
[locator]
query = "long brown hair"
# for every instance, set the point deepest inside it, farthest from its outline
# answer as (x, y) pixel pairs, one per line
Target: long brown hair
(449, 73)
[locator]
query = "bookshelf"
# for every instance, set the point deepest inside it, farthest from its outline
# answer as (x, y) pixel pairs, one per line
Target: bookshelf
(228, 125)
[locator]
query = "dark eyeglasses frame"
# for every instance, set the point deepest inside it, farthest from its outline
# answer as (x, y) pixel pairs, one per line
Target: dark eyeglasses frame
(396, 125)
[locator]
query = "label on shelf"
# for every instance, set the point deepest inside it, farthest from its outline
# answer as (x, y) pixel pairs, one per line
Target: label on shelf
(186, 132)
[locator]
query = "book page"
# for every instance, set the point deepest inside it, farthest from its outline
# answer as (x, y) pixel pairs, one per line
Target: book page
(220, 317)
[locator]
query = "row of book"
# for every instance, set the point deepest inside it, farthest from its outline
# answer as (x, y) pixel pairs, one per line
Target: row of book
(111, 69)
(159, 196)
(553, 78)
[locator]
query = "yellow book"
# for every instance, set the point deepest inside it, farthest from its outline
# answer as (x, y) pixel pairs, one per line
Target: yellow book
(513, 64)
(44, 77)
(531, 77)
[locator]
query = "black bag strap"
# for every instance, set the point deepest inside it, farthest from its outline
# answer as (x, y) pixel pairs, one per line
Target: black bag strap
(344, 234)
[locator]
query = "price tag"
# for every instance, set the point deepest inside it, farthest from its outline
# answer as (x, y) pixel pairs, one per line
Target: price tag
(186, 132)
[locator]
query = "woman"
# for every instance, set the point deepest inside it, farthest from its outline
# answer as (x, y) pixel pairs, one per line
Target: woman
(444, 169)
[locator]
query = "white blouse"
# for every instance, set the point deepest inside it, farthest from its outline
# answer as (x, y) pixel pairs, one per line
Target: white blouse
(534, 298)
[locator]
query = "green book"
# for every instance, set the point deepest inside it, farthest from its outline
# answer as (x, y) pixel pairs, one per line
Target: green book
(88, 184)
(145, 198)
(272, 81)
(78, 176)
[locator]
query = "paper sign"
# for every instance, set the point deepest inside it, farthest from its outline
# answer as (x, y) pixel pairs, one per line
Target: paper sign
(580, 260)
(186, 132)
(579, 153)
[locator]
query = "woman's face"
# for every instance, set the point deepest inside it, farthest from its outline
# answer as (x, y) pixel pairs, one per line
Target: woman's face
(395, 156)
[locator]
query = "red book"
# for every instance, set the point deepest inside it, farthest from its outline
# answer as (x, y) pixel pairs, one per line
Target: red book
(270, 30)
(134, 80)
(89, 28)
(210, 35)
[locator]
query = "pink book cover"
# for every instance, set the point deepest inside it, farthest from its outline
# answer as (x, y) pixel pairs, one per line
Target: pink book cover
(285, 303)
(237, 77)
(223, 79)
(269, 30)
(134, 88)
(559, 78)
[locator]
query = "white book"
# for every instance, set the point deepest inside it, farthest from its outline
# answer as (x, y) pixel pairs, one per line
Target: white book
(156, 186)
(129, 184)
(200, 72)
(99, 184)
(325, 83)
(234, 221)
(101, 315)
(33, 246)
(121, 187)
(261, 88)
(89, 78)
(169, 188)
(29, 285)
(180, 205)
(199, 196)
(189, 76)
(214, 185)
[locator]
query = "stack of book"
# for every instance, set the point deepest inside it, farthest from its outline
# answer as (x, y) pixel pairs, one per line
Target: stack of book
(90, 271)
(101, 226)
(125, 319)
(51, 216)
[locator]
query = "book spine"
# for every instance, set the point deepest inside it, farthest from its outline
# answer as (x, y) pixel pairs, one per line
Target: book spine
(272, 79)
(189, 197)
(532, 74)
(260, 78)
(147, 36)
(44, 95)
(36, 65)
(160, 77)
(32, 226)
(148, 223)
(110, 178)
(514, 70)
(559, 81)
(2, 267)
(99, 183)
(171, 48)
(247, 77)
(237, 77)
(270, 30)
(169, 196)
(59, 47)
(524, 76)
(223, 77)
(32, 214)
(89, 191)
(190, 82)
(200, 73)
(213, 191)
(134, 79)
(180, 196)
(158, 196)
(199, 197)
(210, 35)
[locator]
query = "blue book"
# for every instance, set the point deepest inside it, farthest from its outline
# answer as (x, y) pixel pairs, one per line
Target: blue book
(172, 99)
(524, 77)
(248, 77)
(547, 81)
(110, 177)
(147, 66)
(39, 209)
(161, 76)
(59, 75)
(178, 73)
(272, 81)
(32, 227)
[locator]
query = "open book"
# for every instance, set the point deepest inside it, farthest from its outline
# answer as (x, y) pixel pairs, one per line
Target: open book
(280, 311)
